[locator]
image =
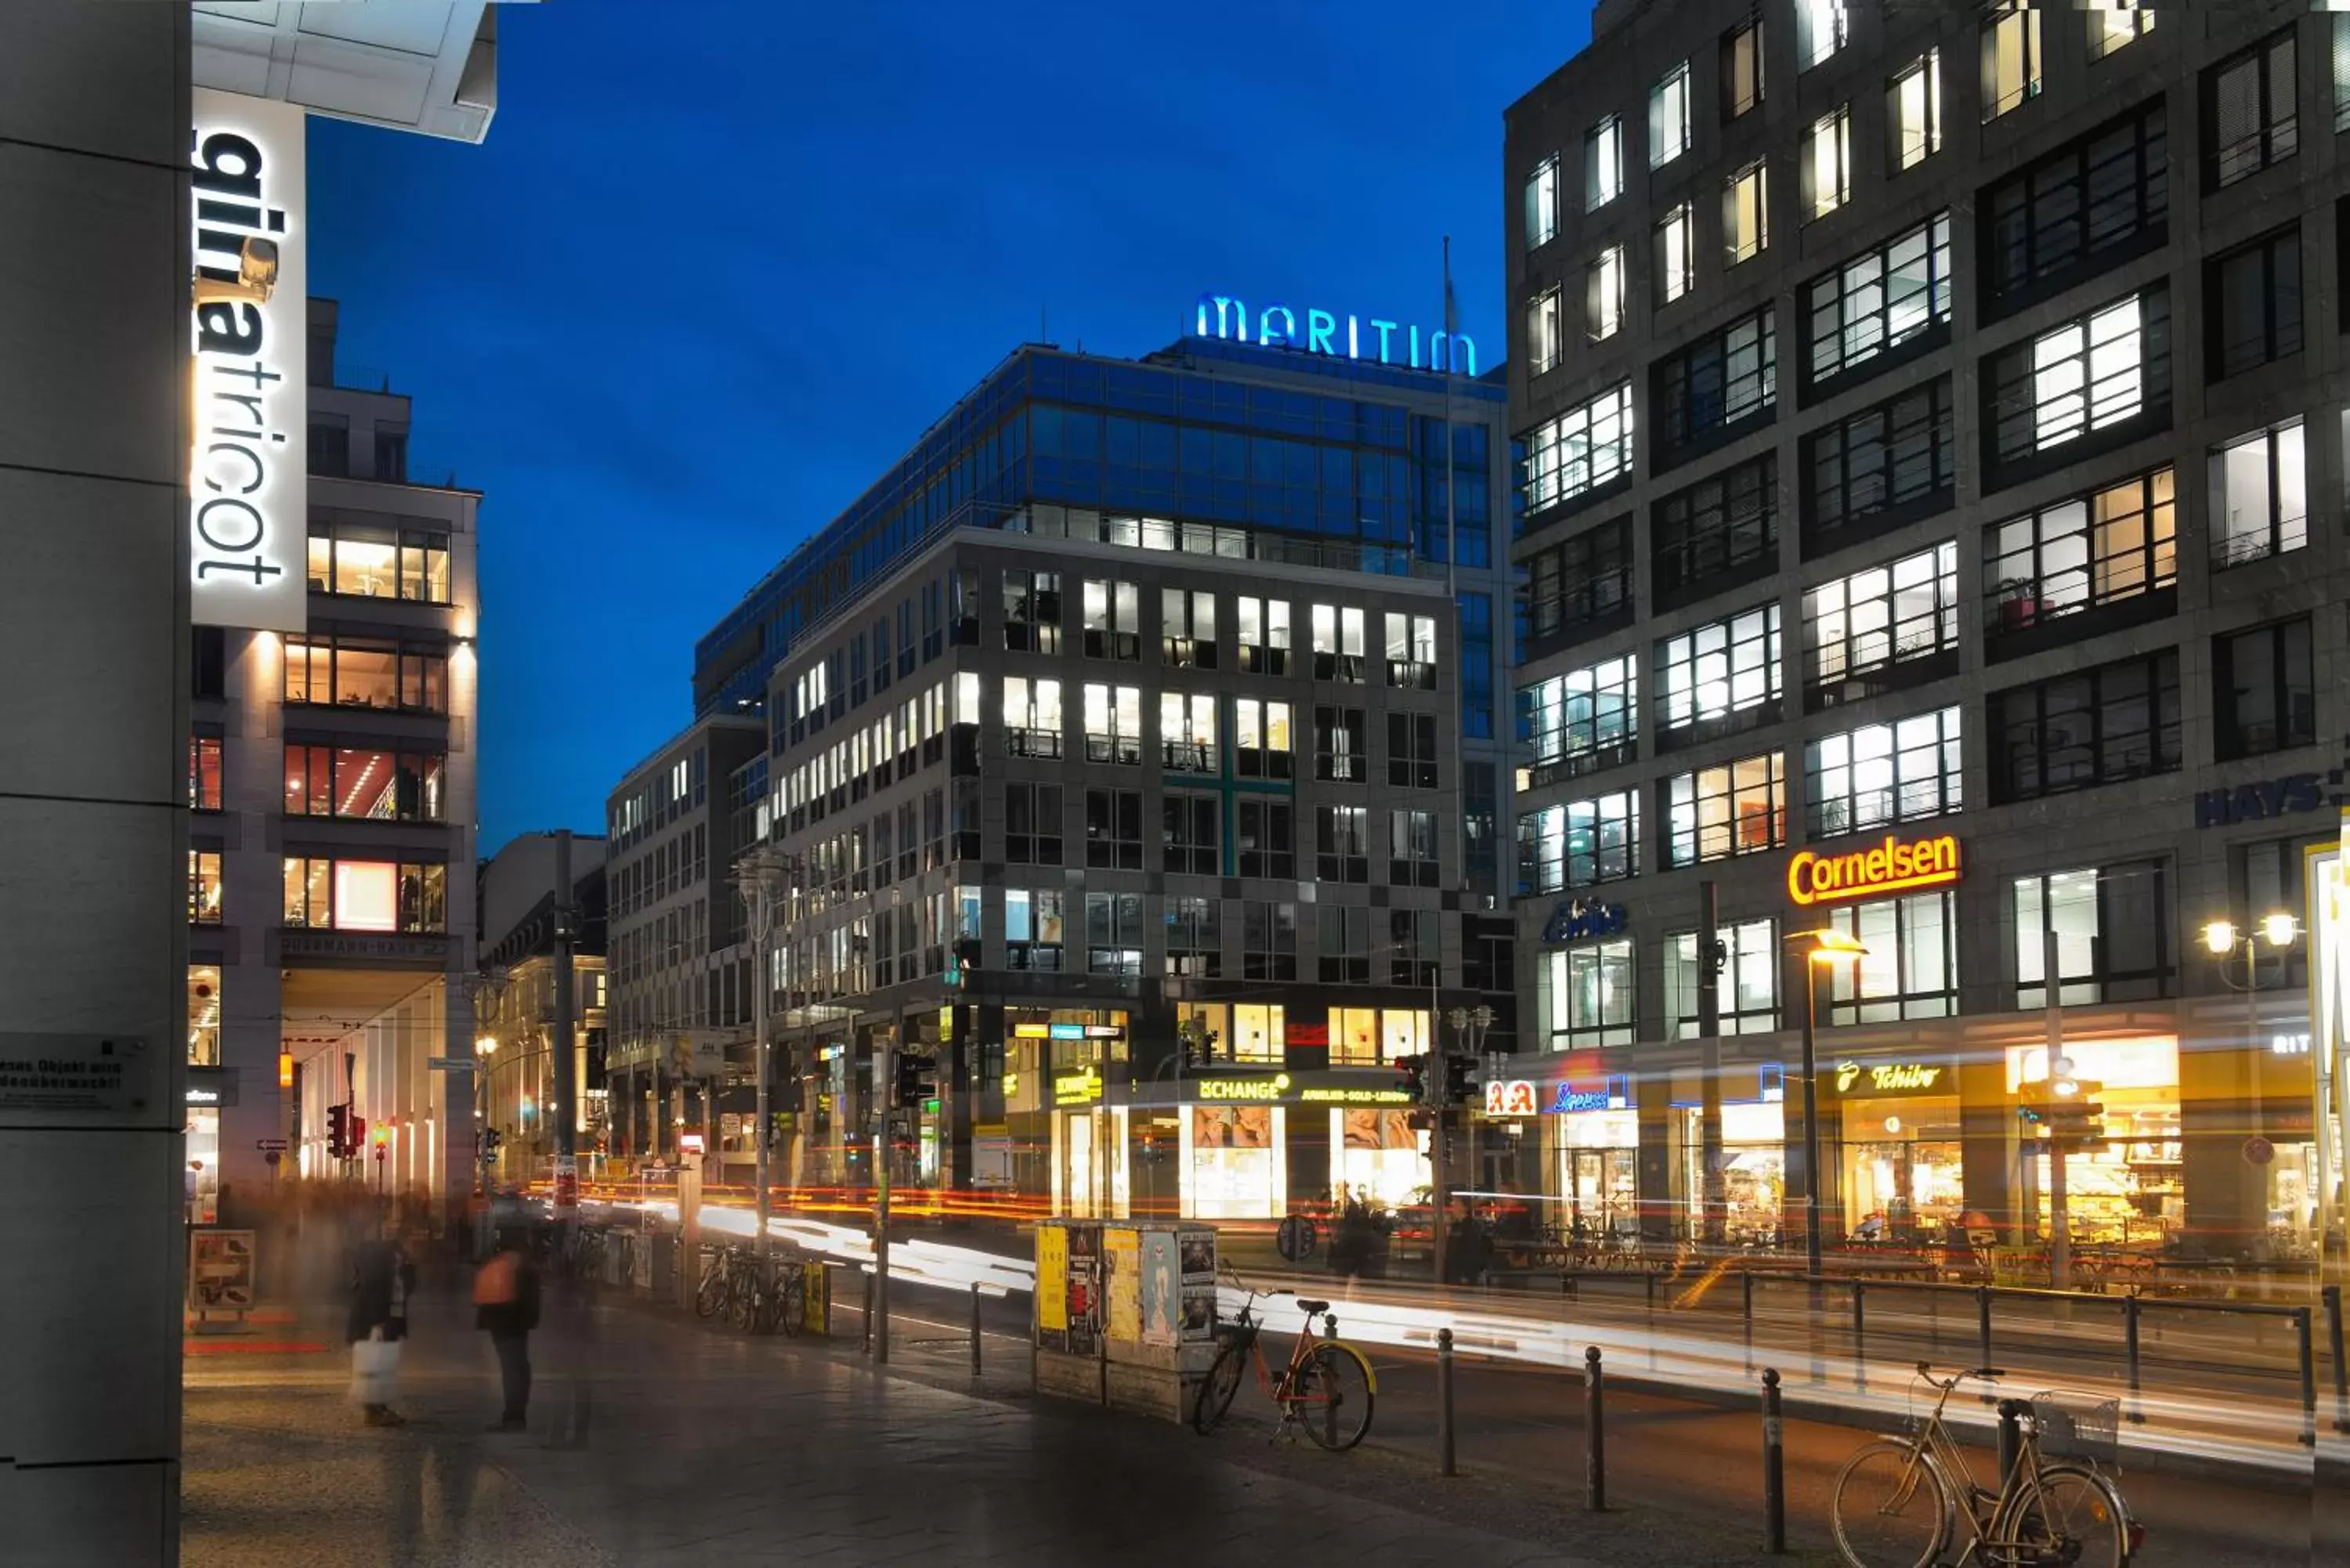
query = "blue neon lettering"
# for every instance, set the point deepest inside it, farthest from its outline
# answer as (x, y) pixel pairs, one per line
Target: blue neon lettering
(1227, 316)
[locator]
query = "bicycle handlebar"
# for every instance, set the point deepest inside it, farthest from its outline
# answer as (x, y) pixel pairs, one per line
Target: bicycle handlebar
(1926, 1371)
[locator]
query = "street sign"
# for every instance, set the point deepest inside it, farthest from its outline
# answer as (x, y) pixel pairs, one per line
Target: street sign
(269, 1145)
(451, 1064)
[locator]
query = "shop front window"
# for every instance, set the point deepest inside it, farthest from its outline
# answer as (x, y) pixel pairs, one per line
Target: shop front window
(1235, 1155)
(2131, 1191)
(1598, 1158)
(1753, 1168)
(1258, 1035)
(1378, 1158)
(1354, 1037)
(1902, 1171)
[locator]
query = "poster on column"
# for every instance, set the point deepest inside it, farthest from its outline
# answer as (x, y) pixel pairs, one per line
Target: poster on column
(1163, 1288)
(1051, 1287)
(1197, 1252)
(1085, 1305)
(1122, 1282)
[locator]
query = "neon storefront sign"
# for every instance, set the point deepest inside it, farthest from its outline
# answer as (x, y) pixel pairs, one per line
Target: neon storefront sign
(1317, 331)
(1894, 866)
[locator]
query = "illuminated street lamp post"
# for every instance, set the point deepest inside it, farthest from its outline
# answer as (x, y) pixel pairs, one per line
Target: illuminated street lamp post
(2278, 931)
(1820, 949)
(764, 875)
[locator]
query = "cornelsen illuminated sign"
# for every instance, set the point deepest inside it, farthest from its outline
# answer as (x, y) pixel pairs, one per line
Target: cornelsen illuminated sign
(1895, 865)
(1342, 336)
(247, 484)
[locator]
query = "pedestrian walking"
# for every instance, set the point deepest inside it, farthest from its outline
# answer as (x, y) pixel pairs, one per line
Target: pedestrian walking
(383, 1278)
(505, 1303)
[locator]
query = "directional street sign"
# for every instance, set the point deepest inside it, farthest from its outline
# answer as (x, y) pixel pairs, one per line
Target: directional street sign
(269, 1145)
(450, 1064)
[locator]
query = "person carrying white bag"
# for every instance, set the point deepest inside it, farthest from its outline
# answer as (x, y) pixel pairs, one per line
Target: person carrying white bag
(382, 1278)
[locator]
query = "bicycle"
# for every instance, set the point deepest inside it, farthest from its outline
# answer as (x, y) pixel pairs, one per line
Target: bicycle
(1897, 1500)
(1326, 1386)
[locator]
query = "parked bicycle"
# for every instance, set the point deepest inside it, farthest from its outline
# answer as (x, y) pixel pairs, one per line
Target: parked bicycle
(1326, 1386)
(732, 1287)
(1898, 1501)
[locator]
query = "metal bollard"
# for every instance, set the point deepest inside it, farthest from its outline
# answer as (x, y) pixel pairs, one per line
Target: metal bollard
(1445, 1464)
(1859, 1337)
(2011, 1434)
(1595, 1434)
(1774, 1467)
(1746, 1294)
(1982, 1327)
(2332, 1297)
(2131, 1310)
(867, 1299)
(975, 1328)
(2303, 1336)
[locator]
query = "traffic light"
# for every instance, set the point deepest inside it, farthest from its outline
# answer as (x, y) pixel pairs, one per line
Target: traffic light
(913, 1087)
(490, 1138)
(1413, 1072)
(338, 1132)
(2074, 1119)
(355, 1140)
(1458, 1070)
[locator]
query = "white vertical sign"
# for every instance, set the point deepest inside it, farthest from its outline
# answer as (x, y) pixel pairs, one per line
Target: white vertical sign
(247, 481)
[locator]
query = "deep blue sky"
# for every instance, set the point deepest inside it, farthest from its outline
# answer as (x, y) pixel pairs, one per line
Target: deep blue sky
(718, 265)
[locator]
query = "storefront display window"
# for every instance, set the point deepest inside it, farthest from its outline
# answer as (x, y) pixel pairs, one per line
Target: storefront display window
(2131, 1190)
(1234, 1163)
(1753, 1168)
(1903, 1177)
(1377, 1158)
(1597, 1154)
(1403, 1031)
(1354, 1037)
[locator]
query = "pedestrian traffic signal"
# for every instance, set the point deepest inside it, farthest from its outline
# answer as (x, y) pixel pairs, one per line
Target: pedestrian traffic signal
(1413, 1072)
(2073, 1121)
(490, 1138)
(355, 1139)
(338, 1132)
(914, 1074)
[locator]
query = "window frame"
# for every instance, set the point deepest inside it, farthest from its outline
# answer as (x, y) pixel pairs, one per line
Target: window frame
(2026, 538)
(1604, 295)
(1609, 722)
(1603, 425)
(2031, 68)
(2277, 533)
(2033, 410)
(1899, 633)
(1572, 589)
(1669, 92)
(1832, 131)
(1737, 245)
(2293, 723)
(1743, 69)
(1914, 435)
(1580, 988)
(2090, 984)
(2276, 138)
(1738, 786)
(1542, 202)
(1675, 230)
(2159, 672)
(1907, 146)
(1924, 774)
(1724, 524)
(1750, 628)
(1603, 163)
(2282, 331)
(1732, 370)
(1867, 306)
(1851, 998)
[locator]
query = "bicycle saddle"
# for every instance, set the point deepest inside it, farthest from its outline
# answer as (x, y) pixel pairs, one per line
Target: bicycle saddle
(1309, 1308)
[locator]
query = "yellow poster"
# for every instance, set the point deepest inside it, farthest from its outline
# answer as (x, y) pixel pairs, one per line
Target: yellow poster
(1052, 1279)
(1124, 1260)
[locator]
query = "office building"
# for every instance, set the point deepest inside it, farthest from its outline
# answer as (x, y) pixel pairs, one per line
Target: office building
(1133, 707)
(1929, 463)
(524, 909)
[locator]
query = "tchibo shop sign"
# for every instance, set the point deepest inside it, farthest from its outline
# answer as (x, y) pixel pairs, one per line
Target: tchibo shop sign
(248, 490)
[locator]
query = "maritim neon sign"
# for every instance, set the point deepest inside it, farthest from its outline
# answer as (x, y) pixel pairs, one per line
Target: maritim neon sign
(1341, 337)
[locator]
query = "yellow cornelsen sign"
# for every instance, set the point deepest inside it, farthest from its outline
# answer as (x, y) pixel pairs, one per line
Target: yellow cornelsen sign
(1894, 866)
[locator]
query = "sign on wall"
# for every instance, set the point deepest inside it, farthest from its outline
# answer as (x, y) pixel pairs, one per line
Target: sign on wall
(1317, 331)
(248, 475)
(1895, 865)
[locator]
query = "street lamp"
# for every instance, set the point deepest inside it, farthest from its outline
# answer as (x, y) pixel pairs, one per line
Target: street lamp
(764, 875)
(1821, 950)
(2277, 930)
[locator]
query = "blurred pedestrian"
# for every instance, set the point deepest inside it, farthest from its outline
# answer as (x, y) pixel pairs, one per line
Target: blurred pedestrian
(383, 1278)
(505, 1303)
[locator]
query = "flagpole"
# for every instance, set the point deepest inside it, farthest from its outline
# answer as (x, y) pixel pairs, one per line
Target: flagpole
(1452, 355)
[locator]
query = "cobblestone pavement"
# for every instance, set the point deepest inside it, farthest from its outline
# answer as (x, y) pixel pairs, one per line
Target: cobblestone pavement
(656, 1440)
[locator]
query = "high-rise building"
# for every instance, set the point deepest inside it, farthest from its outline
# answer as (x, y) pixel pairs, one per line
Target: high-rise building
(1929, 463)
(1143, 704)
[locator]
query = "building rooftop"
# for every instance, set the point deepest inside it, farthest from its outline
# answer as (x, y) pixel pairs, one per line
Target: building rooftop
(425, 66)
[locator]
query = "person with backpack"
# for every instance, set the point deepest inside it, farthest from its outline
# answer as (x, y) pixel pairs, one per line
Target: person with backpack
(505, 1304)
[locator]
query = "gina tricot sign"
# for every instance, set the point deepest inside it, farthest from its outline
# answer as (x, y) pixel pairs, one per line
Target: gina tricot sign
(248, 488)
(1894, 866)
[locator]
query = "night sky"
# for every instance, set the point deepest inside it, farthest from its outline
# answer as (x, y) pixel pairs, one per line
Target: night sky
(718, 265)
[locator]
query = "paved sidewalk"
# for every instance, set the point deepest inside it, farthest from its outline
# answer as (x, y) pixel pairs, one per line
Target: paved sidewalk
(659, 1441)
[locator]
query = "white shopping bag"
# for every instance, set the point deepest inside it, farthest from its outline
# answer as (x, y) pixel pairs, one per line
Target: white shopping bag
(375, 1369)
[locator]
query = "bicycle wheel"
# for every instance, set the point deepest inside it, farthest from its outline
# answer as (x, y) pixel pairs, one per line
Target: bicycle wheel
(791, 1302)
(2067, 1515)
(1889, 1509)
(1332, 1395)
(1216, 1389)
(712, 1295)
(742, 1301)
